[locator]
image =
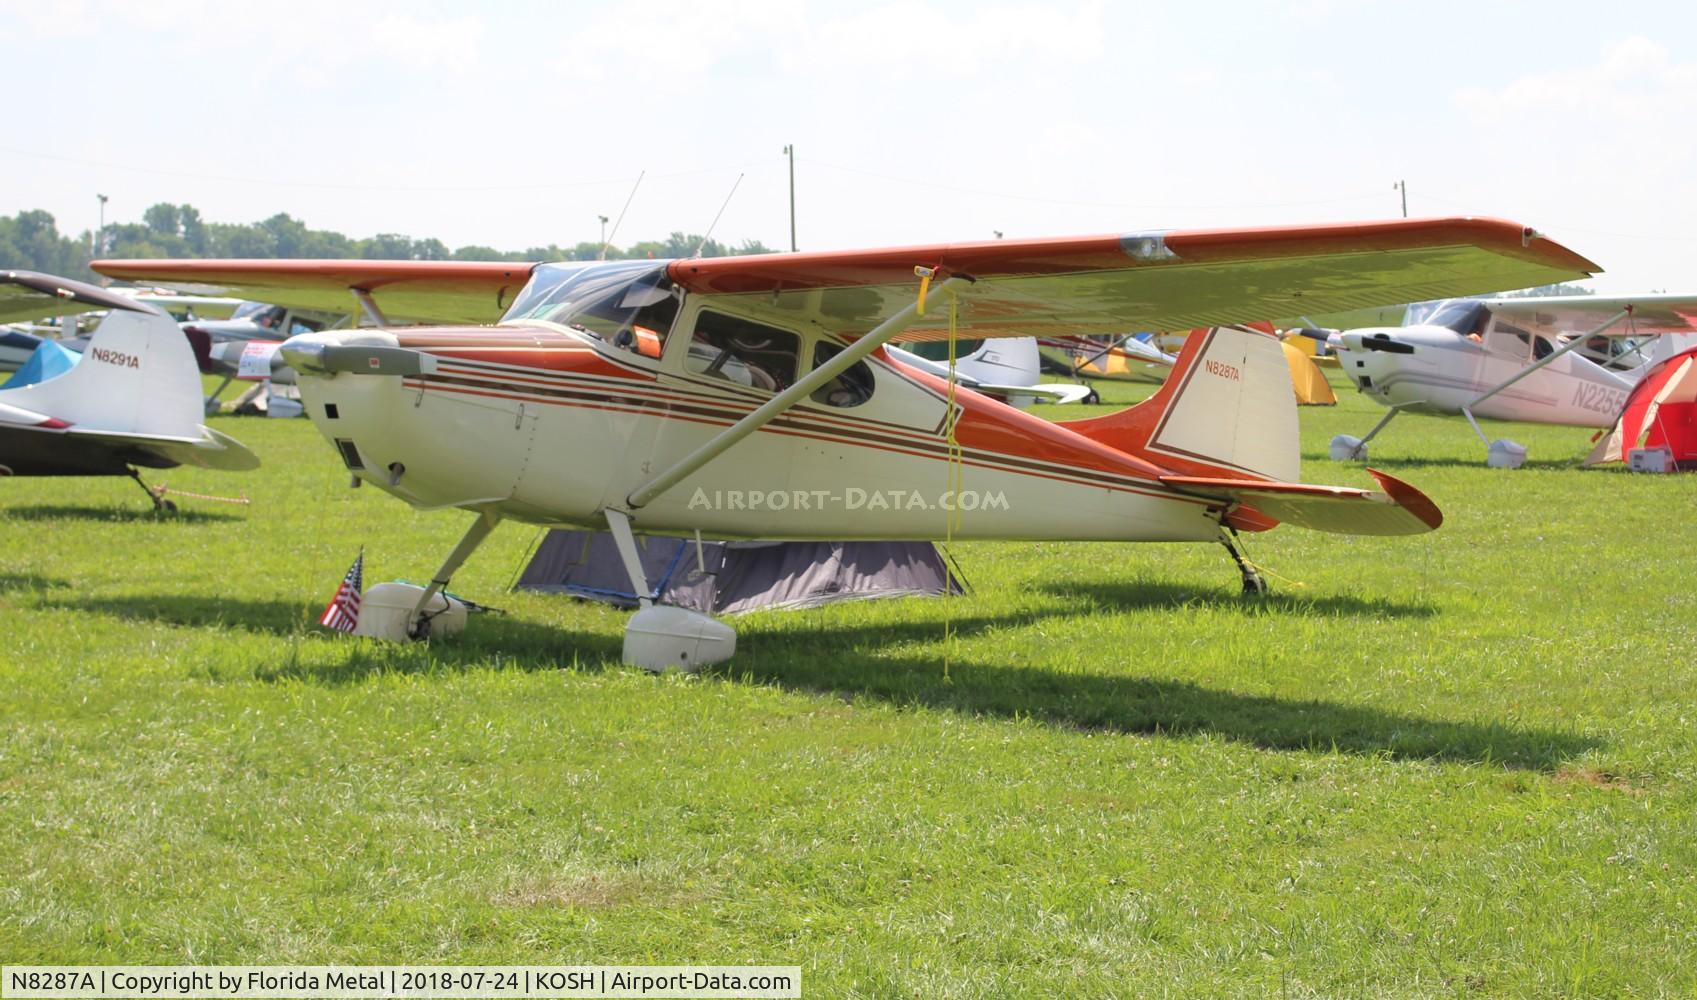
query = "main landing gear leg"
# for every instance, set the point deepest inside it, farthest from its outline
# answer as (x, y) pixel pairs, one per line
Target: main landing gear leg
(661, 637)
(418, 625)
(1350, 449)
(157, 496)
(1253, 581)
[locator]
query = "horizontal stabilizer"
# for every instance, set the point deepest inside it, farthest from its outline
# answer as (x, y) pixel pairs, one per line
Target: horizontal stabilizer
(1399, 510)
(1044, 392)
(212, 450)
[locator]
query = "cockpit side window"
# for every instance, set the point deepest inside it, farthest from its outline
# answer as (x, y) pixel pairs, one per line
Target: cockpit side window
(743, 351)
(1508, 340)
(852, 388)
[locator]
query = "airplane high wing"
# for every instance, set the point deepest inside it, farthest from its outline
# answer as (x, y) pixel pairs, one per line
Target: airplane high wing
(1157, 280)
(425, 291)
(33, 295)
(1575, 313)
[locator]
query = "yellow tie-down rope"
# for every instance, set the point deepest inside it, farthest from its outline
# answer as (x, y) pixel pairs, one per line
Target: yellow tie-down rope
(955, 473)
(951, 512)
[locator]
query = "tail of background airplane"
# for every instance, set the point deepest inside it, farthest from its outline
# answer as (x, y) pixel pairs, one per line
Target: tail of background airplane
(137, 376)
(1227, 409)
(1008, 361)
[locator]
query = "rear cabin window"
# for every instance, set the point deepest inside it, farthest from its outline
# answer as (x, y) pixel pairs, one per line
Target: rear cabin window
(743, 351)
(852, 388)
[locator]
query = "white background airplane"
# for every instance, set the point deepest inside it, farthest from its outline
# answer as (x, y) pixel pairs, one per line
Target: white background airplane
(771, 410)
(132, 400)
(1009, 369)
(1568, 360)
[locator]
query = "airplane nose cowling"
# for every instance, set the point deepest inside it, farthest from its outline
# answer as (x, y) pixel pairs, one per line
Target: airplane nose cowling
(363, 352)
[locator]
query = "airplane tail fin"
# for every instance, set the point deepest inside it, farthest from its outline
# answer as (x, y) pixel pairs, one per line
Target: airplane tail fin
(1010, 361)
(1225, 424)
(1227, 410)
(137, 376)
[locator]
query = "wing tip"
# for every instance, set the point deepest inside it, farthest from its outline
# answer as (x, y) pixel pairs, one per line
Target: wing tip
(1409, 499)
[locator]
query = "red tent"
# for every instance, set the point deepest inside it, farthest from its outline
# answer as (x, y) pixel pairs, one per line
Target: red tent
(1661, 412)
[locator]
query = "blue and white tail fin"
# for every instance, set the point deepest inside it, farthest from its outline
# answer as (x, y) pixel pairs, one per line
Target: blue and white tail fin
(137, 376)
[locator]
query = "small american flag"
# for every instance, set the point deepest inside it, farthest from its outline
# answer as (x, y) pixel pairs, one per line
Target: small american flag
(342, 613)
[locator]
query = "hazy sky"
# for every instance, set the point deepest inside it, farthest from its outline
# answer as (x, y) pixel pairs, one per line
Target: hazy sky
(515, 124)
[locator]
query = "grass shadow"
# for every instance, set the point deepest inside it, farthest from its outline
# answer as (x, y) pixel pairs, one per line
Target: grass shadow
(1143, 705)
(822, 660)
(71, 512)
(1126, 596)
(491, 641)
(1390, 463)
(187, 611)
(30, 581)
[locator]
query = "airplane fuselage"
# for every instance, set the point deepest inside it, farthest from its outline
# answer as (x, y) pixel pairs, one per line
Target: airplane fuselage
(553, 426)
(1447, 371)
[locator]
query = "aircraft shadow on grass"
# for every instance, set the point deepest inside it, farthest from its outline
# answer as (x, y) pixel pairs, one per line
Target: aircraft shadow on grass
(1131, 596)
(11, 582)
(1415, 464)
(1144, 705)
(71, 512)
(812, 660)
(489, 641)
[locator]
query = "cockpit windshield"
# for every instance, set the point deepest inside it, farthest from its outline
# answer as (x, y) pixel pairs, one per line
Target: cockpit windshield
(627, 303)
(1464, 316)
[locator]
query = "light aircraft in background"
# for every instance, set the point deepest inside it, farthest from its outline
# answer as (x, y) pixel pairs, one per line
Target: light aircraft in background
(1008, 369)
(1567, 360)
(772, 408)
(132, 399)
(15, 348)
(1123, 356)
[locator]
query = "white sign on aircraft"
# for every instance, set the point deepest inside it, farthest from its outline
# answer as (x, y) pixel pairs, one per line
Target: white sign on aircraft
(1567, 360)
(753, 397)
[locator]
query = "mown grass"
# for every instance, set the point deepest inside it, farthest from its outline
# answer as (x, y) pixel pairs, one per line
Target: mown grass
(1461, 764)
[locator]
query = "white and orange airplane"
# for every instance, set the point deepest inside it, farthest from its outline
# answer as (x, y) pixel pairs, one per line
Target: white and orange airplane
(753, 396)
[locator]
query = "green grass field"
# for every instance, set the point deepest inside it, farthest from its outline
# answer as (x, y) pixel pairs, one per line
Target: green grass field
(1460, 764)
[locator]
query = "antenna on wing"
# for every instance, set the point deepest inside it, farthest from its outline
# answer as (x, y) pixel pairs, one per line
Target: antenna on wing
(703, 244)
(609, 240)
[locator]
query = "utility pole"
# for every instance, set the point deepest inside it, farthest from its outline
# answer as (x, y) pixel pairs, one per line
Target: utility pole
(100, 234)
(1403, 187)
(789, 151)
(603, 219)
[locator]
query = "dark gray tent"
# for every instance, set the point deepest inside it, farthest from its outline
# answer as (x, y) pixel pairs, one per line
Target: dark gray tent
(740, 576)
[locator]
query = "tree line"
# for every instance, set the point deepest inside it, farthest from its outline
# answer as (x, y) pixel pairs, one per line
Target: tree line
(31, 240)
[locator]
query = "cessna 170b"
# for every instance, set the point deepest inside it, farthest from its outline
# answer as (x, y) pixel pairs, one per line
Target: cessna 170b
(762, 402)
(1567, 360)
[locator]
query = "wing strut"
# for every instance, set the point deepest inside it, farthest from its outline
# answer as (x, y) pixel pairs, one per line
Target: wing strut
(369, 304)
(1467, 410)
(803, 387)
